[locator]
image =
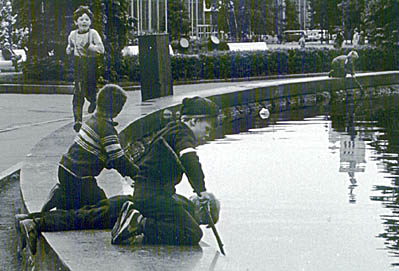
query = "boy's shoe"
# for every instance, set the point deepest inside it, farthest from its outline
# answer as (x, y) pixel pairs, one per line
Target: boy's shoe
(128, 224)
(29, 230)
(21, 237)
(91, 108)
(77, 126)
(54, 196)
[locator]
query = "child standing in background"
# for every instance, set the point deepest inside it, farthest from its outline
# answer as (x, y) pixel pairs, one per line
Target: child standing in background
(84, 43)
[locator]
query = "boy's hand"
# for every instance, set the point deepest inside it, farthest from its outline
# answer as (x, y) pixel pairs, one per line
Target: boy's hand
(204, 196)
(92, 48)
(69, 50)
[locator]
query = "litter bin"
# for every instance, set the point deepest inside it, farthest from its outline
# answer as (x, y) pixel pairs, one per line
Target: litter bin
(155, 69)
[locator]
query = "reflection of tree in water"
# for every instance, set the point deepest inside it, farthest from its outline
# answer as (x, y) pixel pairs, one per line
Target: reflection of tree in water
(386, 144)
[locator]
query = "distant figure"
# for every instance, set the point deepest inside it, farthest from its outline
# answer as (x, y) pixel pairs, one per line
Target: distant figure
(84, 43)
(9, 54)
(339, 39)
(302, 42)
(343, 64)
(356, 38)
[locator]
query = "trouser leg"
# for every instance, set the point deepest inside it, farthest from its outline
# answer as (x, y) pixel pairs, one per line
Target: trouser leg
(169, 220)
(90, 86)
(76, 192)
(77, 103)
(78, 94)
(103, 215)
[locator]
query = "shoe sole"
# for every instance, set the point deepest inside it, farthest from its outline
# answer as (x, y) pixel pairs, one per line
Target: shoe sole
(18, 230)
(25, 232)
(123, 233)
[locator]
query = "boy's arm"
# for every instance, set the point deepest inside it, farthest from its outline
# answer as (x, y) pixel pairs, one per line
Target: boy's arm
(117, 158)
(124, 166)
(190, 161)
(96, 45)
(69, 48)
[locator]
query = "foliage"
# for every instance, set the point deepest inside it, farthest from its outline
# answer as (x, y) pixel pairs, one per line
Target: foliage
(10, 34)
(351, 12)
(178, 19)
(292, 18)
(228, 65)
(326, 15)
(381, 21)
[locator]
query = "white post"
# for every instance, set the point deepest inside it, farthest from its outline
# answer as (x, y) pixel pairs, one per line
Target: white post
(149, 16)
(192, 17)
(196, 17)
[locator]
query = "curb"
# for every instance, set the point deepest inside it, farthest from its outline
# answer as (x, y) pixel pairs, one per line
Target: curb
(17, 88)
(6, 174)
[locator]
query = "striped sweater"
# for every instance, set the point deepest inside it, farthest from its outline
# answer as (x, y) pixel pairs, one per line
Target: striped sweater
(96, 147)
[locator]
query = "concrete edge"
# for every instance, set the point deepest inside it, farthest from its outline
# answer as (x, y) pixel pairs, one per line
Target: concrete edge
(20, 88)
(368, 82)
(10, 171)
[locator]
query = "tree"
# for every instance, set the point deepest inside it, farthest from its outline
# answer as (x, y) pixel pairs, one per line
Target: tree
(291, 15)
(178, 19)
(326, 15)
(351, 11)
(381, 20)
(10, 34)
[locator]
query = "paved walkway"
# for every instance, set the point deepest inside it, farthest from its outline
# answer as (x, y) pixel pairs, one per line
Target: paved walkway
(42, 160)
(27, 118)
(24, 120)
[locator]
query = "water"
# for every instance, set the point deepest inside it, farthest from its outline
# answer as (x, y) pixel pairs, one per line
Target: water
(316, 189)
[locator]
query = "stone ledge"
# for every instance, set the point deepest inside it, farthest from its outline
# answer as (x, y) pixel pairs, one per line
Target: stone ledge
(38, 172)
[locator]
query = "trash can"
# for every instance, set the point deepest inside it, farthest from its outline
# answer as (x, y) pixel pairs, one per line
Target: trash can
(155, 69)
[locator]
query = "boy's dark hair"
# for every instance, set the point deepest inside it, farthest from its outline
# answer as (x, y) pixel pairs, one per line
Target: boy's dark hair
(109, 97)
(82, 10)
(198, 106)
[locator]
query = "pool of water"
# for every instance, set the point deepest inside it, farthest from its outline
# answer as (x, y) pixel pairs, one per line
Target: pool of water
(313, 190)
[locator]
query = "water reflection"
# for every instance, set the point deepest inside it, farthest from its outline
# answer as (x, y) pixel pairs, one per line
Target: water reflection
(376, 124)
(386, 146)
(354, 128)
(352, 152)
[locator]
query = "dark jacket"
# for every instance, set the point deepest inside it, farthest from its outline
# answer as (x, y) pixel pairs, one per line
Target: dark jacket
(159, 172)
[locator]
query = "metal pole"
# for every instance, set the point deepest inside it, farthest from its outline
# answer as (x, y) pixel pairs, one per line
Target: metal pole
(304, 12)
(158, 16)
(138, 17)
(166, 16)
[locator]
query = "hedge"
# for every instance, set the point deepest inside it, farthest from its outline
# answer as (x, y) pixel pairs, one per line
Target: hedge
(227, 65)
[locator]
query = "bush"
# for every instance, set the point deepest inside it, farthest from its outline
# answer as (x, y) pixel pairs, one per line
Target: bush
(227, 65)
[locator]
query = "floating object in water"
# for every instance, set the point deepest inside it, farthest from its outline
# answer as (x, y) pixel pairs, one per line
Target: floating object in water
(264, 113)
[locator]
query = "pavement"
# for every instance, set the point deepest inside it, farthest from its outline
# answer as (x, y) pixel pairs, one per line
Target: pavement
(37, 129)
(25, 119)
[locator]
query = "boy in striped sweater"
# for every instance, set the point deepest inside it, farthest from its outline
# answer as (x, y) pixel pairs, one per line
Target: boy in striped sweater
(95, 147)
